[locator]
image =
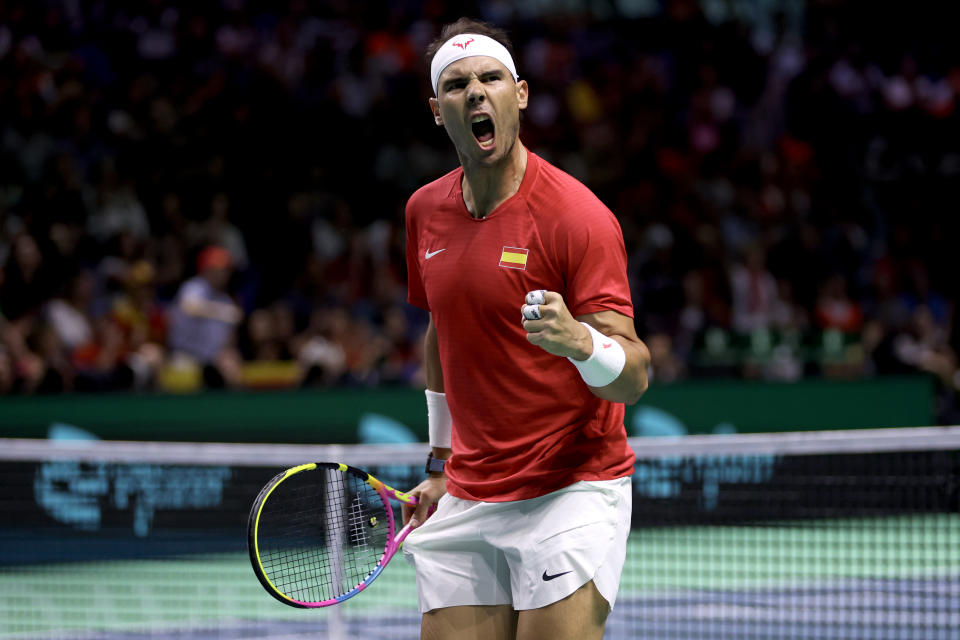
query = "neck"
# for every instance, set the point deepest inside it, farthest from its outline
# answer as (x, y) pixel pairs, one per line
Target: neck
(486, 188)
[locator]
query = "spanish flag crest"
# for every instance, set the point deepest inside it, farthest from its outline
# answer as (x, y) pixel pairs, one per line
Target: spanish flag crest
(514, 258)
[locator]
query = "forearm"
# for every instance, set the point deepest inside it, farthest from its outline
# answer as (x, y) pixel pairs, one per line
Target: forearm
(632, 382)
(439, 426)
(211, 309)
(434, 375)
(603, 346)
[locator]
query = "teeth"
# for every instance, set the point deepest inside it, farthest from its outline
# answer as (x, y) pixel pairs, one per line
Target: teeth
(479, 118)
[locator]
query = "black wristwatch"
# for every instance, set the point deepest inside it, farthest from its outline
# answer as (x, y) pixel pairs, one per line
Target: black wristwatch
(434, 465)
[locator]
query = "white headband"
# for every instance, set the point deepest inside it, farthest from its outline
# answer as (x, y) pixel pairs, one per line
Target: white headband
(464, 46)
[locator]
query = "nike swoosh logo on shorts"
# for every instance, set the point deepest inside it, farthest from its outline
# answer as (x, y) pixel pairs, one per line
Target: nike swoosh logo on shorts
(547, 577)
(429, 254)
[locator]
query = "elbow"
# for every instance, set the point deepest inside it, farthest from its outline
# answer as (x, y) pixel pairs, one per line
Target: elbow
(642, 379)
(637, 391)
(637, 387)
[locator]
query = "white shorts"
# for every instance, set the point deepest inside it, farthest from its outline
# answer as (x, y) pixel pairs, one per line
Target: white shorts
(526, 553)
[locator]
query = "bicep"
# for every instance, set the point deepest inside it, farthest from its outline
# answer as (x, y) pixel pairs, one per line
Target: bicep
(612, 323)
(595, 268)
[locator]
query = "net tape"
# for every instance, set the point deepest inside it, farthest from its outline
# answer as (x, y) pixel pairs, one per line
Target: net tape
(261, 455)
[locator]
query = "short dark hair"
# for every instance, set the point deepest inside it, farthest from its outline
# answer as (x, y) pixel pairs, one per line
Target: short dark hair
(468, 25)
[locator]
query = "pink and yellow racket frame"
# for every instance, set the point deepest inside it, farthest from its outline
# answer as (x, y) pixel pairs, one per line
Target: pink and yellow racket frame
(394, 538)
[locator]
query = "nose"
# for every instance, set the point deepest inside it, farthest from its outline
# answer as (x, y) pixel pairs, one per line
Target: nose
(475, 93)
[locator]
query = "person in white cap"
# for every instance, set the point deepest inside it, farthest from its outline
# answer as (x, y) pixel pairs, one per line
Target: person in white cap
(531, 353)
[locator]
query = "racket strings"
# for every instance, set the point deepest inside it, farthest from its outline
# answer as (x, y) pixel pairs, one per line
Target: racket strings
(322, 535)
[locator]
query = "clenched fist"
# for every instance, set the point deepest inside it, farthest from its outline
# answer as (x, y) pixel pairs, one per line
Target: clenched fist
(550, 326)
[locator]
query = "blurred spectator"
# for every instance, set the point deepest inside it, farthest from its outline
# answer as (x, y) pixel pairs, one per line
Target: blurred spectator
(142, 323)
(203, 321)
(401, 359)
(119, 254)
(27, 282)
(216, 229)
(69, 316)
(269, 334)
(664, 363)
(260, 341)
(55, 373)
(101, 363)
(835, 309)
(754, 291)
(320, 348)
(116, 209)
(169, 247)
(924, 346)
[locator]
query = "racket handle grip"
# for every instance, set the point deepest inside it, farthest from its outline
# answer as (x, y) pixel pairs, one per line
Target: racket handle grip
(406, 528)
(414, 500)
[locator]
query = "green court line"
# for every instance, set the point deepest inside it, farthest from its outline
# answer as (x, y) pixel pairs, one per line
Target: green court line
(185, 592)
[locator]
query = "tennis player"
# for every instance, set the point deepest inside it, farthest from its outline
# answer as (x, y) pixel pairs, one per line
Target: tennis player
(530, 354)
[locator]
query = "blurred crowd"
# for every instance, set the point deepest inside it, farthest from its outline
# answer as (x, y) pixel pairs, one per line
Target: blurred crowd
(236, 172)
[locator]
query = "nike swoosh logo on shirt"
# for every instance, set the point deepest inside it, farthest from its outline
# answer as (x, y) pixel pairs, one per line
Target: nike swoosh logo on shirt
(429, 254)
(548, 577)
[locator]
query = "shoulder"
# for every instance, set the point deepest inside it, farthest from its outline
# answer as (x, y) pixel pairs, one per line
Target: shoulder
(566, 202)
(433, 193)
(566, 197)
(195, 287)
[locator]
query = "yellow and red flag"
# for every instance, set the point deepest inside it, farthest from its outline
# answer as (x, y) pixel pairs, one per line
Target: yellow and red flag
(514, 258)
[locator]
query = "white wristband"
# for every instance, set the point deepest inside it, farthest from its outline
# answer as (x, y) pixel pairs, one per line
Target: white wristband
(439, 422)
(605, 363)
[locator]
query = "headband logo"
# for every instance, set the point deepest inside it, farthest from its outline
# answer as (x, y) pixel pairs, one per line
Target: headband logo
(463, 45)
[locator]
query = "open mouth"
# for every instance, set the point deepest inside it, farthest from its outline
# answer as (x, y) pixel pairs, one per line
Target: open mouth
(483, 130)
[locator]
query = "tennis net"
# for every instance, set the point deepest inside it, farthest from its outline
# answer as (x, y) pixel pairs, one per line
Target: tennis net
(820, 535)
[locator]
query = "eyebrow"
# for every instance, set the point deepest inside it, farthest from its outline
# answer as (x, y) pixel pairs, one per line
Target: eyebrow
(483, 74)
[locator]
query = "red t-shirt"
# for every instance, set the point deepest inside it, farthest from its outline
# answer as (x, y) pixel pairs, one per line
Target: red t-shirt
(524, 422)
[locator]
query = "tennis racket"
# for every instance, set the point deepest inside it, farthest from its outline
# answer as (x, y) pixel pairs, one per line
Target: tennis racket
(320, 533)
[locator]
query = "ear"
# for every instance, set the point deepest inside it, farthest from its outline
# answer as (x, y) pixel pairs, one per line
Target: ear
(435, 107)
(523, 93)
